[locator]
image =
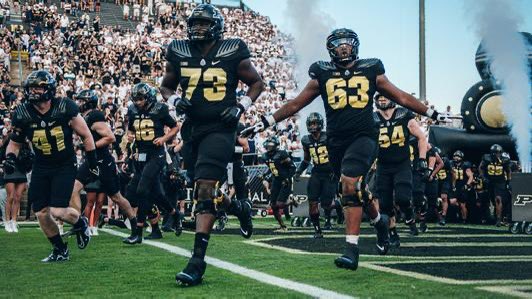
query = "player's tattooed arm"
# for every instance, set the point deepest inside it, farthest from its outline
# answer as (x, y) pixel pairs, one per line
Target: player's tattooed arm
(170, 82)
(105, 131)
(392, 92)
(249, 75)
(422, 142)
(305, 97)
(79, 126)
(470, 176)
(438, 165)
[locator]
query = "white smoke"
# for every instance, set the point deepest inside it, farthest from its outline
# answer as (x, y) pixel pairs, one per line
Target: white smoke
(496, 23)
(310, 28)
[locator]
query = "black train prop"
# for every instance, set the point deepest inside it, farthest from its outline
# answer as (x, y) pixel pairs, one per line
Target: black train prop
(484, 123)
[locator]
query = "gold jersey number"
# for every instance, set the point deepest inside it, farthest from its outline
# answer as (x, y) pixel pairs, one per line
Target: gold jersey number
(337, 92)
(319, 155)
(273, 169)
(398, 137)
(217, 76)
(41, 142)
(442, 174)
(144, 129)
(459, 173)
(495, 170)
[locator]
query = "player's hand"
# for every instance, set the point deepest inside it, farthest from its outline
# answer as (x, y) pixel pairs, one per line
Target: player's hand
(182, 105)
(159, 141)
(10, 163)
(265, 122)
(286, 182)
(231, 115)
(297, 177)
(435, 115)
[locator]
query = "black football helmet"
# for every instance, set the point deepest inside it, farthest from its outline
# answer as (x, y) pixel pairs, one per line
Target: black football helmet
(339, 37)
(87, 99)
(496, 151)
(437, 150)
(271, 144)
(389, 105)
(40, 79)
(314, 122)
(143, 91)
(205, 12)
(458, 156)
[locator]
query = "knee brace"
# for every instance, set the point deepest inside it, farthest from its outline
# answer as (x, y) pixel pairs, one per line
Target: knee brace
(207, 198)
(361, 195)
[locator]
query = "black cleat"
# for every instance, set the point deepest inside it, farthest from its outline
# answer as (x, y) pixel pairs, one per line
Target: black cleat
(220, 225)
(383, 235)
(423, 227)
(132, 240)
(327, 225)
(246, 221)
(340, 219)
(395, 242)
(57, 256)
(178, 226)
(318, 235)
(350, 258)
(413, 228)
(168, 223)
(192, 274)
(442, 222)
(154, 235)
(101, 221)
(83, 235)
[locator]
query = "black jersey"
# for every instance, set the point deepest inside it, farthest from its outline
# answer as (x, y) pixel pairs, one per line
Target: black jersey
(445, 173)
(459, 170)
(347, 95)
(149, 125)
(317, 149)
(495, 168)
(209, 82)
(274, 161)
(92, 117)
(49, 133)
(394, 136)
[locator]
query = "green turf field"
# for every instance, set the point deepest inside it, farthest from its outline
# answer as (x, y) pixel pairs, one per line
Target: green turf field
(454, 261)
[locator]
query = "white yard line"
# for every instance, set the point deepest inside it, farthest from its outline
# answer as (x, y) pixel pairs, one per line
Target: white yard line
(306, 289)
(509, 290)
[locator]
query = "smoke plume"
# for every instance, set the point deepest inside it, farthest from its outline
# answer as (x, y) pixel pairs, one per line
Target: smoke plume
(496, 23)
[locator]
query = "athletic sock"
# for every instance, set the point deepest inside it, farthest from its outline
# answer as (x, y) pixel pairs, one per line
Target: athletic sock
(201, 242)
(155, 227)
(57, 242)
(80, 223)
(328, 215)
(315, 218)
(132, 223)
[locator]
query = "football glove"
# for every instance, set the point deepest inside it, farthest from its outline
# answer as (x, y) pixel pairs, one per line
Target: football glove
(297, 176)
(231, 115)
(181, 105)
(265, 122)
(93, 165)
(10, 163)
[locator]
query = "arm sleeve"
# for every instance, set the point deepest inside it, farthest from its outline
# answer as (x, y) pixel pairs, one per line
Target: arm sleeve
(18, 135)
(314, 71)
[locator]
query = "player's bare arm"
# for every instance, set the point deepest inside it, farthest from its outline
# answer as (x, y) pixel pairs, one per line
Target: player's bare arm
(422, 142)
(305, 97)
(249, 75)
(103, 130)
(79, 126)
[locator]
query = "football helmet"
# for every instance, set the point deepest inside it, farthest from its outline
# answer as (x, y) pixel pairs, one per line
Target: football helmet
(87, 99)
(314, 122)
(37, 80)
(205, 12)
(496, 151)
(458, 156)
(388, 104)
(271, 144)
(339, 37)
(143, 91)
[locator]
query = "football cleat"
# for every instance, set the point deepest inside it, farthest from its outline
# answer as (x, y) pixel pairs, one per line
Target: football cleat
(413, 228)
(442, 222)
(245, 218)
(282, 229)
(318, 235)
(394, 240)
(154, 235)
(423, 227)
(350, 258)
(192, 274)
(178, 225)
(83, 235)
(327, 225)
(132, 240)
(57, 255)
(340, 219)
(101, 221)
(383, 235)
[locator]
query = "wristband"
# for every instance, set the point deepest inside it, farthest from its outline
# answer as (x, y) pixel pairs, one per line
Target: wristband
(271, 120)
(239, 149)
(172, 99)
(246, 102)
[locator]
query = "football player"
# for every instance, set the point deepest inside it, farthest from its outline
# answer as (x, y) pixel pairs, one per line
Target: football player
(282, 169)
(347, 85)
(49, 123)
(208, 68)
(435, 163)
(394, 172)
(463, 180)
(147, 119)
(321, 188)
(496, 173)
(103, 138)
(444, 177)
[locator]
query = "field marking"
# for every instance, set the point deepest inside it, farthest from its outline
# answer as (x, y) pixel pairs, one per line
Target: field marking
(262, 277)
(467, 244)
(509, 290)
(309, 236)
(422, 276)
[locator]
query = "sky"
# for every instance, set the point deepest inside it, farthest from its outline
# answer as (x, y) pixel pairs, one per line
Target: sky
(388, 30)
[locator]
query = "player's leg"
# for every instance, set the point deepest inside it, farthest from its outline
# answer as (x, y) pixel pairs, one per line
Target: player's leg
(100, 198)
(355, 164)
(243, 206)
(10, 191)
(384, 187)
(410, 188)
(498, 192)
(214, 152)
(276, 207)
(314, 190)
(444, 195)
(89, 207)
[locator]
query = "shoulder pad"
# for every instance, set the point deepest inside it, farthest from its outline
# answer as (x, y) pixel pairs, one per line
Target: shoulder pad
(228, 47)
(372, 65)
(64, 107)
(96, 115)
(402, 112)
(466, 165)
(178, 49)
(505, 160)
(22, 113)
(376, 117)
(132, 109)
(305, 141)
(326, 65)
(157, 107)
(323, 137)
(486, 157)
